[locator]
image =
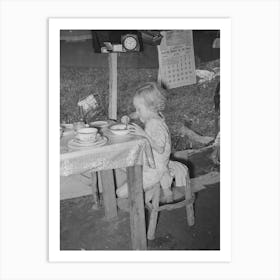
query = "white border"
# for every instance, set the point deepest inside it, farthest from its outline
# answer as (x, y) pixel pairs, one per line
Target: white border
(224, 254)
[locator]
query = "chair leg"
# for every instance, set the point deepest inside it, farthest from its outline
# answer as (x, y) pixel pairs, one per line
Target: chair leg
(190, 214)
(189, 205)
(154, 214)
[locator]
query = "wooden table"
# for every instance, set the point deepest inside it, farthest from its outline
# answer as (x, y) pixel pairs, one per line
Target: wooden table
(130, 152)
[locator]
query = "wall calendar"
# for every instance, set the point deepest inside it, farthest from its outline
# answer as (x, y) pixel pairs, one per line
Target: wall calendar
(176, 59)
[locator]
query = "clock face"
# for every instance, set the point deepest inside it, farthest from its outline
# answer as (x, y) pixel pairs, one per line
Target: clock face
(130, 43)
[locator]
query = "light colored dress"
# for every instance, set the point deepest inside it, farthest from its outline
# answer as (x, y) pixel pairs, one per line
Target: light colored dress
(157, 130)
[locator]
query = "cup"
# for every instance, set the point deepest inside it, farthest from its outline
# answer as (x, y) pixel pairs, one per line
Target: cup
(87, 134)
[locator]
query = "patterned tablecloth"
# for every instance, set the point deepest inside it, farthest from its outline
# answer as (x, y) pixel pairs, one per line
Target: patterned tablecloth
(118, 152)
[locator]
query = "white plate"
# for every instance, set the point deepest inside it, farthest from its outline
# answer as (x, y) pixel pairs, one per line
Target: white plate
(75, 145)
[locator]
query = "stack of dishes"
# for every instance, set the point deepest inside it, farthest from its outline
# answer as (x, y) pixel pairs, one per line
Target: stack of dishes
(87, 138)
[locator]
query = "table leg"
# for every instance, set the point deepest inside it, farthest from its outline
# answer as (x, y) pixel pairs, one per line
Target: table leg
(109, 193)
(136, 206)
(95, 193)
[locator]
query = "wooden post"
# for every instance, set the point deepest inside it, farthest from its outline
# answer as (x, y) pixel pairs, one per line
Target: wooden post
(113, 71)
(109, 194)
(100, 189)
(136, 207)
(159, 81)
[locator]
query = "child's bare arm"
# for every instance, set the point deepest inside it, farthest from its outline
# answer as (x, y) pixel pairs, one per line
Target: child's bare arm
(137, 130)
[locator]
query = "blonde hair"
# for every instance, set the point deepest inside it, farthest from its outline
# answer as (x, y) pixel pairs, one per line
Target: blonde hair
(153, 95)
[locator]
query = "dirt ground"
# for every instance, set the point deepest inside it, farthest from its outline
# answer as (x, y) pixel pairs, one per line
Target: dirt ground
(82, 228)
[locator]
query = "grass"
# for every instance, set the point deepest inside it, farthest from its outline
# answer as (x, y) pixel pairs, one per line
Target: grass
(194, 101)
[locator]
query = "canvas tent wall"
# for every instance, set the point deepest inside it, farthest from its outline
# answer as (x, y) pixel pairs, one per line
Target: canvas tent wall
(76, 49)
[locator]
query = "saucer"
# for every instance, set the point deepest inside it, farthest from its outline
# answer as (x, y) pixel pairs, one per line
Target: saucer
(98, 138)
(75, 145)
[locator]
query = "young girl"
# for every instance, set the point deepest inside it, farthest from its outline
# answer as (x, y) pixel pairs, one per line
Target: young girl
(149, 102)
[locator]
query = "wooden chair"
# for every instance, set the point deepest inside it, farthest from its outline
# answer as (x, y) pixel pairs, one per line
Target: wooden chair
(155, 207)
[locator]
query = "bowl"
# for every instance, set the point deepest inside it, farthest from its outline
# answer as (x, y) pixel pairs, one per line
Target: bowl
(87, 134)
(67, 125)
(99, 124)
(119, 129)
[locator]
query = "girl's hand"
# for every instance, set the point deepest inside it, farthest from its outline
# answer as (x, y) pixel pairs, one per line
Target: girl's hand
(136, 130)
(125, 120)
